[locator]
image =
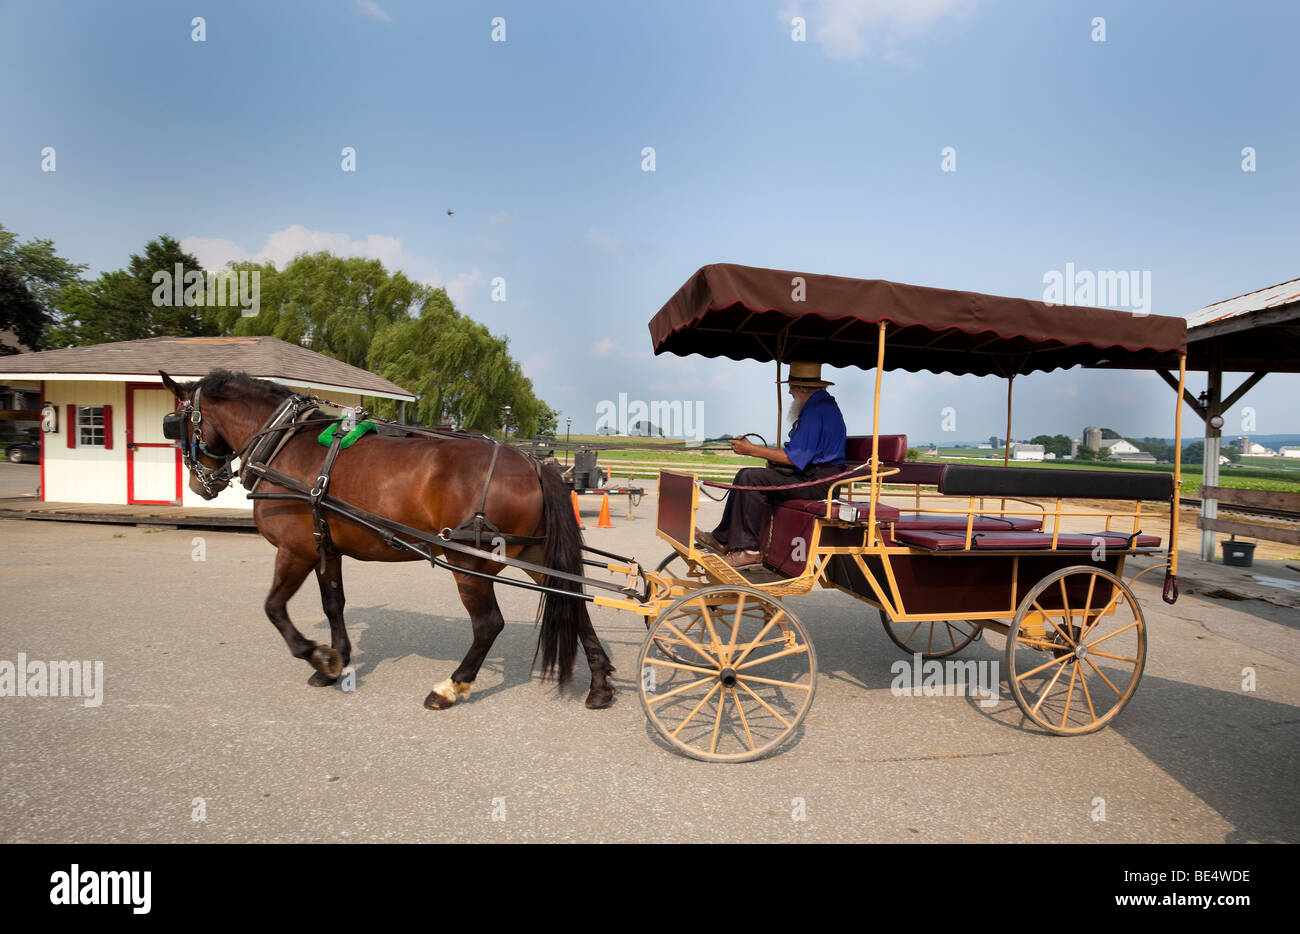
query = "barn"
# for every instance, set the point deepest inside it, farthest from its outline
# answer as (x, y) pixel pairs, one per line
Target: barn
(102, 408)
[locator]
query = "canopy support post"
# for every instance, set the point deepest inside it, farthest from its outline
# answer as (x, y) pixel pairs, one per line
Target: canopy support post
(1178, 467)
(779, 426)
(875, 437)
(1210, 470)
(1006, 455)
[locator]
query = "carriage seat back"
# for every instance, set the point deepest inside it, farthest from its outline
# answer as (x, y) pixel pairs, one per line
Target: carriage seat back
(857, 449)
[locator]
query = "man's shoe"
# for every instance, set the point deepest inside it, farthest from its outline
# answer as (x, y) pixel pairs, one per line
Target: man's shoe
(743, 559)
(708, 541)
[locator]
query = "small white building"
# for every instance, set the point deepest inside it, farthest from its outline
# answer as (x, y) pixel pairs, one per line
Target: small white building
(1290, 451)
(1119, 446)
(102, 408)
(1027, 452)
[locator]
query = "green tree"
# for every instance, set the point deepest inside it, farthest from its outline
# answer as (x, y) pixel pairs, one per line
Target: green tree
(144, 300)
(459, 370)
(43, 274)
(334, 305)
(20, 313)
(1053, 444)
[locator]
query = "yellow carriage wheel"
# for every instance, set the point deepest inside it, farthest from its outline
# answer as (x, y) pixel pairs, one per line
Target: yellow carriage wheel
(932, 638)
(727, 674)
(1075, 650)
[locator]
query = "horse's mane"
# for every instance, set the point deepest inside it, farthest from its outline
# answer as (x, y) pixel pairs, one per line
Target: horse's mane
(225, 384)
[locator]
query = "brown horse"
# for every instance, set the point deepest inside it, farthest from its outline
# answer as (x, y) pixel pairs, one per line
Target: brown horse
(426, 483)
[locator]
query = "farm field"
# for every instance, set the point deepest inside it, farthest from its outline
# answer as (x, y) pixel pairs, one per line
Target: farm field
(641, 457)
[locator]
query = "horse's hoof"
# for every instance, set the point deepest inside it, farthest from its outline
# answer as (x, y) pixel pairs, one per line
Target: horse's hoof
(318, 680)
(327, 662)
(598, 700)
(436, 701)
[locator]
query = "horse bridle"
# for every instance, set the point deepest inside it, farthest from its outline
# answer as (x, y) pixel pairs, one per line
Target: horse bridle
(213, 479)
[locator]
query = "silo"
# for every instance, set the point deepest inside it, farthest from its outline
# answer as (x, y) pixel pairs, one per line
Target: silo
(1092, 438)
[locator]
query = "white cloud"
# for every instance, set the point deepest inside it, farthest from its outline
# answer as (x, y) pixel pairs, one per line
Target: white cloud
(283, 245)
(848, 29)
(371, 8)
(604, 347)
(606, 243)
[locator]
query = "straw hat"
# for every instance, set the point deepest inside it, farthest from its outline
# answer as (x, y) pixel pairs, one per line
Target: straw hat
(807, 374)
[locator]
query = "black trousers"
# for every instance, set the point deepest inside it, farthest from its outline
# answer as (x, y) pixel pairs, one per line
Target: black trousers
(742, 517)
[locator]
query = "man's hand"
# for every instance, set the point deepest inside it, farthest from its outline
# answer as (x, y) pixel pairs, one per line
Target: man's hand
(747, 448)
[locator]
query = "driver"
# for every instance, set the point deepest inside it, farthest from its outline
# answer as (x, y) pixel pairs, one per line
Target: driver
(815, 449)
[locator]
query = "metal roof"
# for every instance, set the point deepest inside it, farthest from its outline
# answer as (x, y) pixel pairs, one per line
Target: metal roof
(194, 357)
(1284, 293)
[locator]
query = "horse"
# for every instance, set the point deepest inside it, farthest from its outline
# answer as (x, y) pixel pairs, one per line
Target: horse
(426, 483)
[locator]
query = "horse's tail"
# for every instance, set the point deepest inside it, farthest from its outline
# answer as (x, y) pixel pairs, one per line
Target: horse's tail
(561, 617)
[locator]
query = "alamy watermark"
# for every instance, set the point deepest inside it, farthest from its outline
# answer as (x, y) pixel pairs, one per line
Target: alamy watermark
(38, 678)
(670, 419)
(1106, 288)
(933, 678)
(216, 290)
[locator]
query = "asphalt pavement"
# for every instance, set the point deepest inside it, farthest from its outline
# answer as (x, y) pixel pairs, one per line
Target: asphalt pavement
(207, 730)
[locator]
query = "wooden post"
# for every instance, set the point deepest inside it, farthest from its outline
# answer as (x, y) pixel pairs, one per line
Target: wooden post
(1210, 469)
(1178, 466)
(776, 443)
(875, 437)
(1006, 455)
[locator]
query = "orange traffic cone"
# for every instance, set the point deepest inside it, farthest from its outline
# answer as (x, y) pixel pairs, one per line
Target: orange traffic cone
(573, 495)
(604, 522)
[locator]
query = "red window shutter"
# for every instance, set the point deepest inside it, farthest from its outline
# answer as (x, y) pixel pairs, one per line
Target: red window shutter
(72, 426)
(108, 428)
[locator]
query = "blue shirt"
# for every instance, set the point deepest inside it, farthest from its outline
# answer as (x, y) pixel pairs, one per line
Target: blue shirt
(818, 434)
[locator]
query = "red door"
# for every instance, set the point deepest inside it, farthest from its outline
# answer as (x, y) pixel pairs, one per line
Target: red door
(153, 464)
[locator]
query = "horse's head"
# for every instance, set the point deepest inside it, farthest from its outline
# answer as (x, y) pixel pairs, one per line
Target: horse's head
(206, 451)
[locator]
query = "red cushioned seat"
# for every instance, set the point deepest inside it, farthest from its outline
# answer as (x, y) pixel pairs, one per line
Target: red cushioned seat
(981, 541)
(857, 448)
(1113, 539)
(938, 522)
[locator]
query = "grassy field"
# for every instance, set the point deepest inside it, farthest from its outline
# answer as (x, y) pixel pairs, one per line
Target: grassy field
(623, 450)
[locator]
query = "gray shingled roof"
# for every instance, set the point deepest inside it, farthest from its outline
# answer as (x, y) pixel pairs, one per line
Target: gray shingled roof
(193, 357)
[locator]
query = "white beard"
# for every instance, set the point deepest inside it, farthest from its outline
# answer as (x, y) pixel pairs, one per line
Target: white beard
(796, 406)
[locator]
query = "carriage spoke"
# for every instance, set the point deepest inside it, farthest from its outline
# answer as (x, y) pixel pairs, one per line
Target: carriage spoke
(1054, 661)
(688, 641)
(785, 723)
(1118, 658)
(704, 700)
(664, 663)
(1048, 690)
(1083, 679)
(1111, 635)
(758, 638)
(798, 650)
(675, 691)
(744, 721)
(717, 722)
(1101, 674)
(783, 684)
(1065, 714)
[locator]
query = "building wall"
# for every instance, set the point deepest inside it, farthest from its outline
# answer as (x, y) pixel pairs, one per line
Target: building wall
(85, 474)
(99, 475)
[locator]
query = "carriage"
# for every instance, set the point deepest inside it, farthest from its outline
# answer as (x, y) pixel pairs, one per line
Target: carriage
(944, 552)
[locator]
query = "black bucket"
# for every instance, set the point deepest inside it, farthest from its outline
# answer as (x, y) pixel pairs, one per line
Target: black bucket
(1238, 554)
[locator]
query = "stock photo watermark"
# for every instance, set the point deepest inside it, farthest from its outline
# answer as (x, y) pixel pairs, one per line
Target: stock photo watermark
(38, 678)
(1105, 288)
(933, 678)
(669, 419)
(174, 289)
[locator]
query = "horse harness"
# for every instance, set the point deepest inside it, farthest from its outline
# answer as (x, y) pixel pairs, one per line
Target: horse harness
(294, 414)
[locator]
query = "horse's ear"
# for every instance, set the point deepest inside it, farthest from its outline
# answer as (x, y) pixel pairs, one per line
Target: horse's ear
(171, 385)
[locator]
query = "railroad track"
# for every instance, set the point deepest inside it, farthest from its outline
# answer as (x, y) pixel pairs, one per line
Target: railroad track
(1281, 515)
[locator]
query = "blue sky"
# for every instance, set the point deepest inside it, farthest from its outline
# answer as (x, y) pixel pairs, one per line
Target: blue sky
(819, 156)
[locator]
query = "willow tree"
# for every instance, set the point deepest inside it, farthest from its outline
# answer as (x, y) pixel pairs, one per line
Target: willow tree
(332, 304)
(460, 371)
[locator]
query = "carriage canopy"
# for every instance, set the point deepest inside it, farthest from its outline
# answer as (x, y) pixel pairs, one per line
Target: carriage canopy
(748, 313)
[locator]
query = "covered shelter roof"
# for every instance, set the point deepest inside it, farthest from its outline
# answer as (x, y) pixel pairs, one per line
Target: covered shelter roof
(193, 357)
(1258, 331)
(749, 313)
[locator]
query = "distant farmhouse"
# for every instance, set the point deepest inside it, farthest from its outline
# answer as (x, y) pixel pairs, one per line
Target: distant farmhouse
(1027, 452)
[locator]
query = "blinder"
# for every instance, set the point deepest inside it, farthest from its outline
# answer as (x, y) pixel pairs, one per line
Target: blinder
(174, 426)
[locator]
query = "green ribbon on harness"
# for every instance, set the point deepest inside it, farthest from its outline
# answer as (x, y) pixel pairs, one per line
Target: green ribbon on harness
(326, 437)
